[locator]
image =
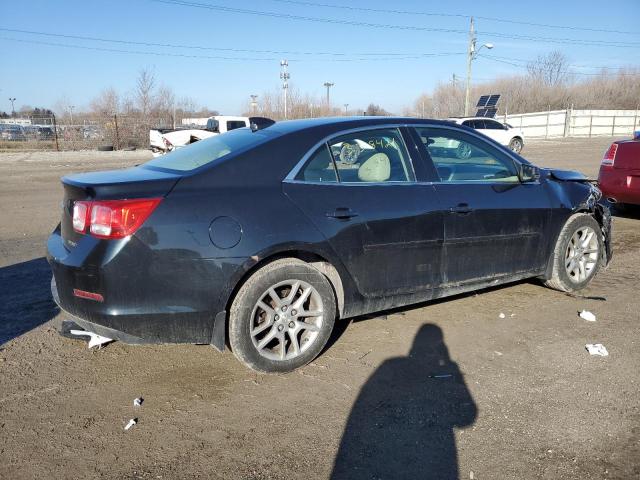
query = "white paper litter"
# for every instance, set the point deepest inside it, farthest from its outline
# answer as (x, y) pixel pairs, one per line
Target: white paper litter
(131, 423)
(597, 349)
(138, 401)
(502, 315)
(588, 316)
(95, 340)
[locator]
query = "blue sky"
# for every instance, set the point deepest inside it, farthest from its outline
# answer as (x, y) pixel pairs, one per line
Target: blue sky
(40, 75)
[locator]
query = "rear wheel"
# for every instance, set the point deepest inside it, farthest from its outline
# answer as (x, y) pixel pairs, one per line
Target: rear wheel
(282, 317)
(577, 255)
(516, 144)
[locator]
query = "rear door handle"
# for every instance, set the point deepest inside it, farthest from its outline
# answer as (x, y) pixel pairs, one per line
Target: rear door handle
(342, 213)
(461, 209)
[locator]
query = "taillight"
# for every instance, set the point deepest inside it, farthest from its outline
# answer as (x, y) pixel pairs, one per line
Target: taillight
(610, 155)
(80, 216)
(112, 218)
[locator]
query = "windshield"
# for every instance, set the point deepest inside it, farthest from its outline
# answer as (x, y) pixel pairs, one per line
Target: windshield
(207, 151)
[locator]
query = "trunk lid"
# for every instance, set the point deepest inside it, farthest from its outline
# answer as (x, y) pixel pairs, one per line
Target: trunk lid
(627, 155)
(137, 182)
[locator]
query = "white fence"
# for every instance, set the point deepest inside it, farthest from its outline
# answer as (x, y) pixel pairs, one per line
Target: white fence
(576, 123)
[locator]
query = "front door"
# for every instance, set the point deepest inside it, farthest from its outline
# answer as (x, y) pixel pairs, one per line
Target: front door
(494, 224)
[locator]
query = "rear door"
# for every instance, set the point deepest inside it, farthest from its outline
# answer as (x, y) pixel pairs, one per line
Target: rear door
(360, 189)
(495, 225)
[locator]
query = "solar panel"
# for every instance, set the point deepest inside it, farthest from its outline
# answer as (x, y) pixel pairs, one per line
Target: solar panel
(488, 101)
(483, 101)
(487, 112)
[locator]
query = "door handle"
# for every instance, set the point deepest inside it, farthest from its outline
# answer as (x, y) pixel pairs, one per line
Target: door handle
(461, 209)
(342, 213)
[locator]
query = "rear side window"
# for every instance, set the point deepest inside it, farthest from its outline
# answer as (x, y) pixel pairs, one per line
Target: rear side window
(492, 125)
(372, 156)
(208, 151)
(319, 168)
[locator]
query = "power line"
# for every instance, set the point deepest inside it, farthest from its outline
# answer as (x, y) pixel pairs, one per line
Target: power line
(453, 15)
(520, 65)
(593, 67)
(287, 16)
(217, 57)
(240, 50)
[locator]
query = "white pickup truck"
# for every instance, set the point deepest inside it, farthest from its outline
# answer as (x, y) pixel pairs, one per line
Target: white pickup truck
(163, 140)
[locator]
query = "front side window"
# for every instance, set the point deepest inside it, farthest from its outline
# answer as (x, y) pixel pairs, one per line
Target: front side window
(233, 124)
(459, 157)
(372, 156)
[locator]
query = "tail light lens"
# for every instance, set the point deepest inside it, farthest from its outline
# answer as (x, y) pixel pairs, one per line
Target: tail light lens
(112, 219)
(610, 155)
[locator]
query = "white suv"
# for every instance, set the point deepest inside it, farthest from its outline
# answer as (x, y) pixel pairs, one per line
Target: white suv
(502, 133)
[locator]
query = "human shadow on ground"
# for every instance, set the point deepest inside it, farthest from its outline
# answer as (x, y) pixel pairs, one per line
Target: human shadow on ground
(25, 298)
(402, 423)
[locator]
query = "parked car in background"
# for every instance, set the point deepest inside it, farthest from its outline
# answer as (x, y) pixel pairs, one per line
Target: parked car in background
(503, 133)
(619, 176)
(163, 140)
(12, 132)
(45, 133)
(266, 236)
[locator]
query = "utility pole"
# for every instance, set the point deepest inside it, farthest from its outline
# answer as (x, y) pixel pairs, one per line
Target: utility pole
(13, 110)
(254, 103)
(472, 54)
(71, 107)
(454, 80)
(284, 76)
(328, 85)
(346, 108)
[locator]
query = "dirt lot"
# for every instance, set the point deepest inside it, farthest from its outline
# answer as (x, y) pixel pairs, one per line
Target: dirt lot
(523, 399)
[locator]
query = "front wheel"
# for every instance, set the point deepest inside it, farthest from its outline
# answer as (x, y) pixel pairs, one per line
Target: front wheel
(577, 255)
(516, 144)
(282, 316)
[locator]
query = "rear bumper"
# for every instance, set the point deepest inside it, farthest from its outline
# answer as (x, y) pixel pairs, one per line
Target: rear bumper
(141, 305)
(620, 185)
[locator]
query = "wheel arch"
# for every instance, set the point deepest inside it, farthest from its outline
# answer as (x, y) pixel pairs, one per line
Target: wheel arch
(317, 260)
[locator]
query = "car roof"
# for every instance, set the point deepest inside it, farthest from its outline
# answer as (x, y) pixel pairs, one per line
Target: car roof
(345, 123)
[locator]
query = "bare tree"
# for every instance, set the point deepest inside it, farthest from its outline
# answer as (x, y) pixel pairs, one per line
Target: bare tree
(144, 92)
(106, 103)
(551, 69)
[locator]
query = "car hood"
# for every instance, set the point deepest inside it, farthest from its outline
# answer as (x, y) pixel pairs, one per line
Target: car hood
(567, 175)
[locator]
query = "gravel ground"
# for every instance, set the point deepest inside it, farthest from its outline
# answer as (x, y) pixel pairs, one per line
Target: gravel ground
(433, 391)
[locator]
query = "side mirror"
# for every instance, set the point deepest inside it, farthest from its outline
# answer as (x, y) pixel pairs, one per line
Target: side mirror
(529, 173)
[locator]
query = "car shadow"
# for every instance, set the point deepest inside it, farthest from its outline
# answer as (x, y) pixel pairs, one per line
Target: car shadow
(402, 423)
(628, 211)
(25, 298)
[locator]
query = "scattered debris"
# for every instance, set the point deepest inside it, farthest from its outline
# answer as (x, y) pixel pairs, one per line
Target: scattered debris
(362, 356)
(471, 476)
(131, 423)
(597, 349)
(138, 402)
(95, 340)
(586, 297)
(447, 375)
(502, 315)
(497, 353)
(588, 316)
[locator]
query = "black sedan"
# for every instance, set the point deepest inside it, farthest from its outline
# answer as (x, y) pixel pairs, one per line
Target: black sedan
(262, 238)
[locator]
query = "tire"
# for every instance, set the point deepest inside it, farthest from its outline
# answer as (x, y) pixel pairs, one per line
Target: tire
(255, 315)
(516, 144)
(567, 274)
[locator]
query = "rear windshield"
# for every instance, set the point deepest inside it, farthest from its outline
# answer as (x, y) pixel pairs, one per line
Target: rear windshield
(207, 151)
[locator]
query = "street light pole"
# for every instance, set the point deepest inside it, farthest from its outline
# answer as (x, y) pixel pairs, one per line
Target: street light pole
(472, 54)
(13, 110)
(328, 85)
(254, 103)
(71, 107)
(284, 76)
(346, 108)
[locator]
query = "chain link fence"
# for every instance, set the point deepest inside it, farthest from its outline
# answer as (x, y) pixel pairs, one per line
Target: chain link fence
(85, 132)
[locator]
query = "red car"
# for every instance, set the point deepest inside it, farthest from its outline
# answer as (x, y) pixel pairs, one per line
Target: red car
(620, 172)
